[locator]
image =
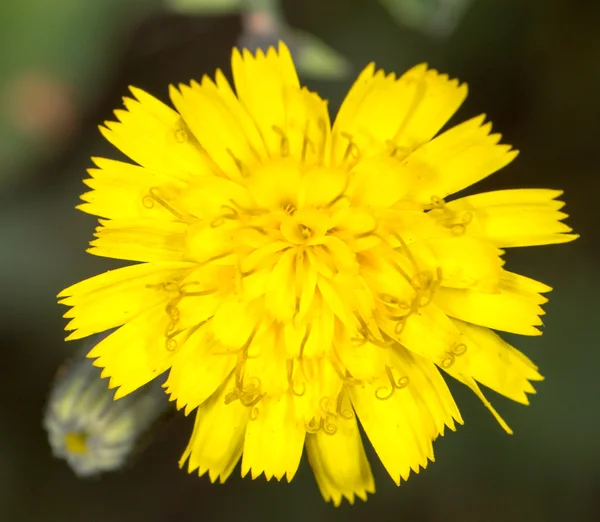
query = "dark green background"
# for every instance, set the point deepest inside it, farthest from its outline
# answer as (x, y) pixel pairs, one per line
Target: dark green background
(532, 66)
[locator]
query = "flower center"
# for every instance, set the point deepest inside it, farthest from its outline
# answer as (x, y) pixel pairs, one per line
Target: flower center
(76, 442)
(304, 227)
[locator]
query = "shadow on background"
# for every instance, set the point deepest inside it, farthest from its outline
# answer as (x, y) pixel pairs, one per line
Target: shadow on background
(532, 67)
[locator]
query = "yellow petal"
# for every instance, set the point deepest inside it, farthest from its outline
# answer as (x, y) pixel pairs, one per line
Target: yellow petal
(266, 366)
(429, 391)
(136, 353)
(218, 437)
(321, 332)
(395, 428)
(124, 191)
(468, 381)
(465, 262)
(504, 310)
(211, 198)
(339, 463)
(382, 112)
(376, 182)
(456, 159)
(514, 218)
(274, 439)
(222, 90)
(280, 296)
(199, 368)
(320, 186)
(524, 286)
(364, 360)
(272, 190)
(261, 83)
(218, 132)
(141, 240)
(430, 333)
(233, 323)
(154, 136)
(316, 387)
(117, 296)
(495, 363)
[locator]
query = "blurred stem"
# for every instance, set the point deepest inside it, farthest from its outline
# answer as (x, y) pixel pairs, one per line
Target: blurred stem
(273, 7)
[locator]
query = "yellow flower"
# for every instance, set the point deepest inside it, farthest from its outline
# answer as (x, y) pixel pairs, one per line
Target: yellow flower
(296, 277)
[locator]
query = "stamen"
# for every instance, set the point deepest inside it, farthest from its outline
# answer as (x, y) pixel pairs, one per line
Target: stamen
(459, 349)
(246, 400)
(305, 232)
(344, 412)
(306, 142)
(216, 258)
(285, 143)
(248, 211)
(323, 129)
(458, 228)
(401, 325)
(238, 163)
(437, 203)
(171, 343)
(230, 213)
(242, 357)
(403, 382)
(362, 339)
(324, 405)
(181, 136)
(345, 376)
(328, 427)
(312, 426)
(396, 149)
(456, 351)
(406, 251)
(448, 361)
(178, 292)
(352, 152)
(289, 209)
(246, 392)
(290, 378)
(304, 340)
(154, 196)
(370, 233)
(340, 196)
(385, 345)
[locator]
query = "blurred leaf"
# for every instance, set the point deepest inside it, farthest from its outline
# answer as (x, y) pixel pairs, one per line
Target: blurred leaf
(205, 6)
(434, 17)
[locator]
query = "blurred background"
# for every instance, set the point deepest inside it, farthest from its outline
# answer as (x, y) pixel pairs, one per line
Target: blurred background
(532, 66)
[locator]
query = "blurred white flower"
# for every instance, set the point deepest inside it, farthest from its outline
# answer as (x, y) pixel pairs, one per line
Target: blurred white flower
(88, 428)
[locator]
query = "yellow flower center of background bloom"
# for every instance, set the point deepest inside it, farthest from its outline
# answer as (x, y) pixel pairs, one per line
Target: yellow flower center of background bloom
(76, 443)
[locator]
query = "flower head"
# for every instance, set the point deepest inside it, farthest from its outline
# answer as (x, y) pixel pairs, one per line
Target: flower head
(295, 277)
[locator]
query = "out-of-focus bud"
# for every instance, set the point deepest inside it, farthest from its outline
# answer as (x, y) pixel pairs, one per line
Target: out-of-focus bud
(88, 428)
(263, 28)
